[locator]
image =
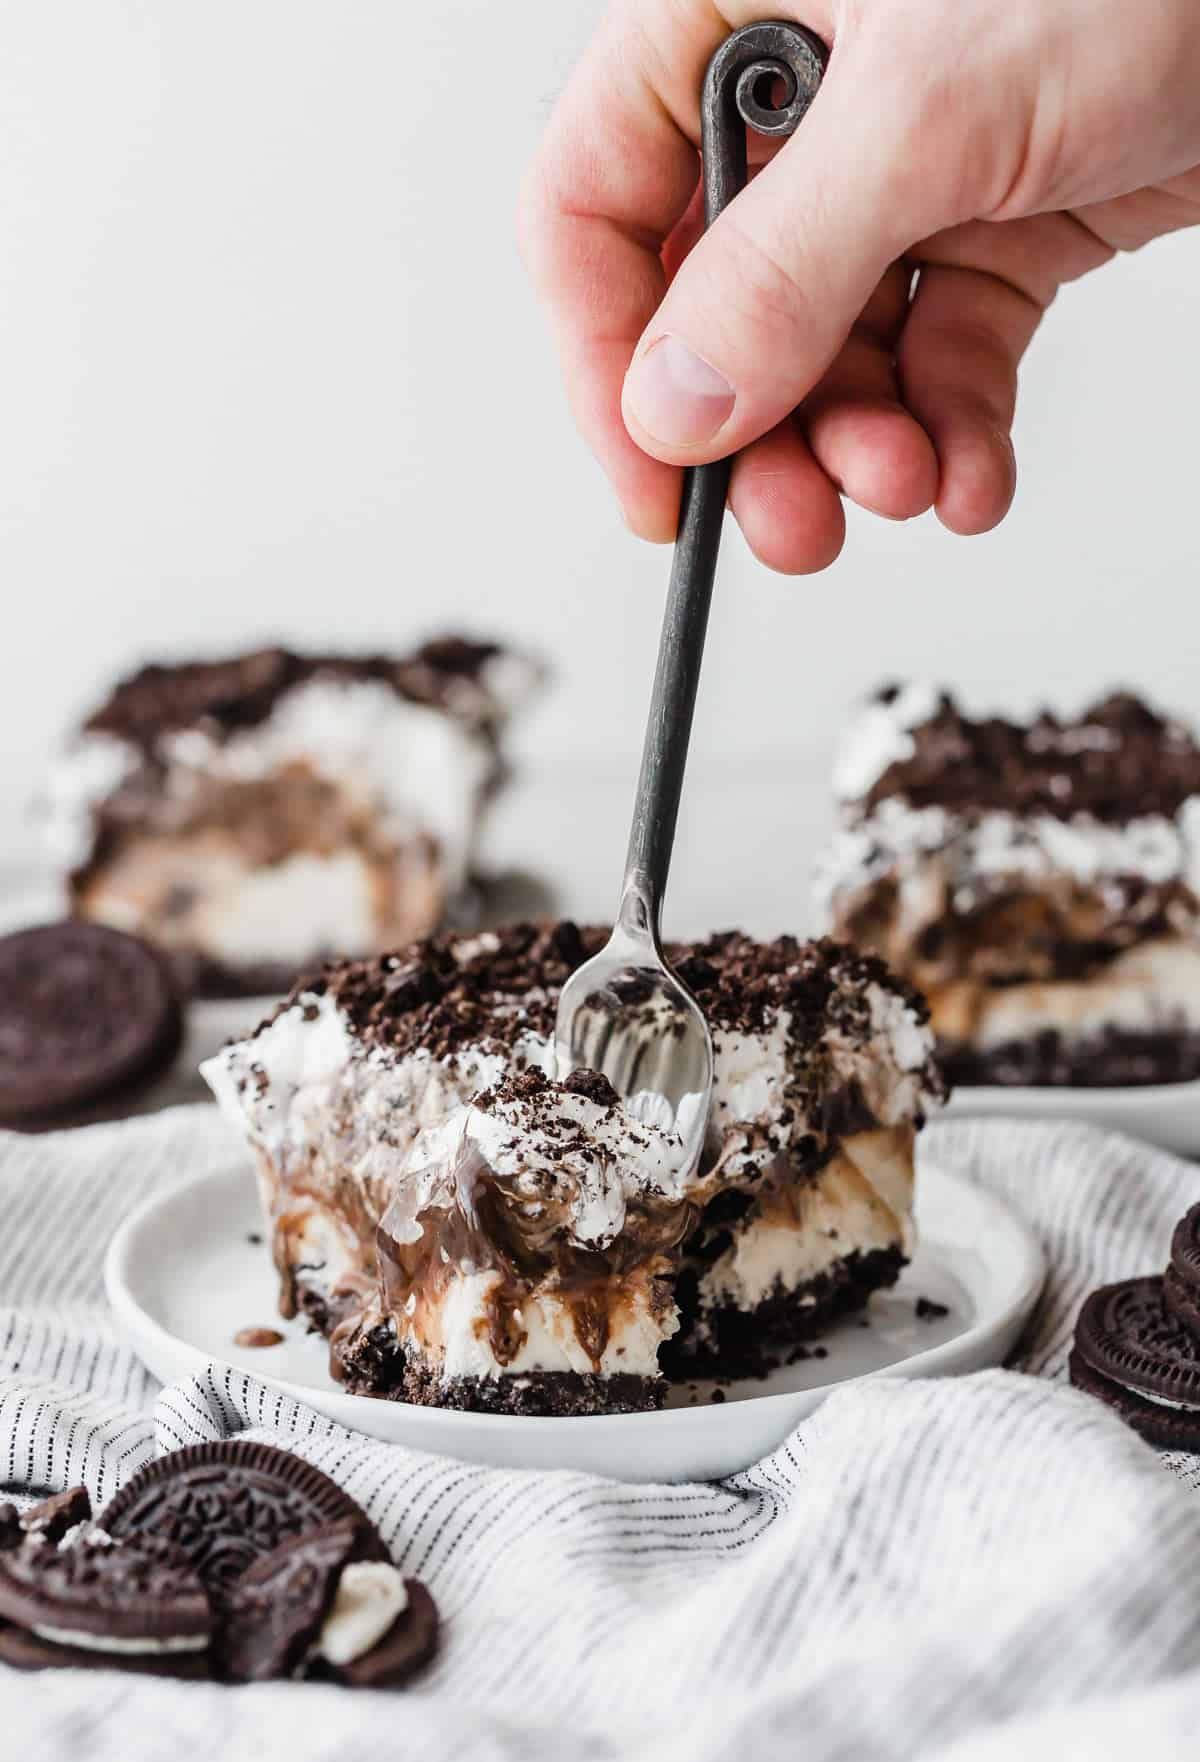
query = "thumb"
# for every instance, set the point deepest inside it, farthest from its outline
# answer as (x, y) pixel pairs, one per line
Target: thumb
(766, 299)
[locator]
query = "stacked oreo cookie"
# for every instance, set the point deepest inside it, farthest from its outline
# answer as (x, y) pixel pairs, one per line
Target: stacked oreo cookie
(1137, 1346)
(231, 1561)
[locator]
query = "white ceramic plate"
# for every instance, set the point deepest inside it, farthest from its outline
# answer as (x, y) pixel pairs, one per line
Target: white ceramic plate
(1166, 1114)
(184, 1276)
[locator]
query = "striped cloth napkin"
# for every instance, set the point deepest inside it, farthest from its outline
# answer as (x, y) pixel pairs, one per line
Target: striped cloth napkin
(961, 1570)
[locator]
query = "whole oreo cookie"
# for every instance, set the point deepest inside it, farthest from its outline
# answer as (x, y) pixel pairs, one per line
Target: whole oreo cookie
(1165, 1427)
(1185, 1246)
(86, 1015)
(226, 1505)
(1183, 1301)
(1126, 1332)
(1132, 1352)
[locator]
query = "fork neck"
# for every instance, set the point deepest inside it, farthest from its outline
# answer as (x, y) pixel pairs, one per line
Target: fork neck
(638, 916)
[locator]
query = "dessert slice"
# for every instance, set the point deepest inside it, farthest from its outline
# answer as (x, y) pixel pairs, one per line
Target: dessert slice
(1038, 882)
(252, 816)
(469, 1231)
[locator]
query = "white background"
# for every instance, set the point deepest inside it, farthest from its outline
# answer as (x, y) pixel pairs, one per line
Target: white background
(269, 369)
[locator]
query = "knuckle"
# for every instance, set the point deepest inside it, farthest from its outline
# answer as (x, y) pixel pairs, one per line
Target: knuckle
(759, 292)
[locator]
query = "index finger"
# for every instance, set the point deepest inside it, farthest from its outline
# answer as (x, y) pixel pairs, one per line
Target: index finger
(616, 172)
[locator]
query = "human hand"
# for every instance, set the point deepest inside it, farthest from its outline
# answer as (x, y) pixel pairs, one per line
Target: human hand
(854, 321)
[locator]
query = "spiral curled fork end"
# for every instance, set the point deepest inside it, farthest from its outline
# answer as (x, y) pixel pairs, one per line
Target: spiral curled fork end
(763, 77)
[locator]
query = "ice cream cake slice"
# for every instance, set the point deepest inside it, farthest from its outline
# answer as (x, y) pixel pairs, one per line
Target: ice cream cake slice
(468, 1231)
(256, 815)
(1039, 882)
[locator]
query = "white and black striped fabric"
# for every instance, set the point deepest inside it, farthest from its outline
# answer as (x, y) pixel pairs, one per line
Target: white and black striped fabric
(961, 1571)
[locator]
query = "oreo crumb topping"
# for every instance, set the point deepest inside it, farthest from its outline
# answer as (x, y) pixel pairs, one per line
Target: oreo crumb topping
(427, 997)
(594, 1086)
(1120, 760)
(740, 984)
(241, 692)
(532, 1101)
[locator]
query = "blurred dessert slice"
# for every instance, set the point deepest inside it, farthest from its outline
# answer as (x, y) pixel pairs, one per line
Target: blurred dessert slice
(1039, 883)
(255, 815)
(468, 1231)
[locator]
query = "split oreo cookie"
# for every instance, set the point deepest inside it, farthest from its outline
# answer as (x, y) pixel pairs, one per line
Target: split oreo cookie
(87, 1015)
(50, 1521)
(1132, 1353)
(230, 1560)
(57, 1516)
(1182, 1282)
(407, 1645)
(227, 1505)
(275, 1610)
(139, 1600)
(25, 1651)
(316, 1608)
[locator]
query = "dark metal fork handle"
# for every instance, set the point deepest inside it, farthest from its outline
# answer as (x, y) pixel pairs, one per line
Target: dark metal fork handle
(764, 77)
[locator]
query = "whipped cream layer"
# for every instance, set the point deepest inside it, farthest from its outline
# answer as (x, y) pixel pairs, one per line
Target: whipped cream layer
(423, 1171)
(956, 860)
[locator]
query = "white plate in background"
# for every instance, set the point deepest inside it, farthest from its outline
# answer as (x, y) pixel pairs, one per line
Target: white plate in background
(183, 1277)
(1166, 1114)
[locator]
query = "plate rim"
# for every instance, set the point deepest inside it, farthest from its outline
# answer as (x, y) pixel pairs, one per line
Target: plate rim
(131, 1317)
(1075, 1094)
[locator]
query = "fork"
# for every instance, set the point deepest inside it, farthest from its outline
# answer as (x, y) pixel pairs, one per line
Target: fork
(624, 1012)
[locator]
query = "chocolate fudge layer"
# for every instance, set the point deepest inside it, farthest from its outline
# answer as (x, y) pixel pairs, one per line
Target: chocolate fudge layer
(469, 1231)
(253, 816)
(1039, 883)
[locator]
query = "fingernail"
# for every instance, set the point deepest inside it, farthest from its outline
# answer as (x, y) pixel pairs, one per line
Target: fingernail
(677, 397)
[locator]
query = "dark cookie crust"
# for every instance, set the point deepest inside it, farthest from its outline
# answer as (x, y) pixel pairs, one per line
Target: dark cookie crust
(731, 1343)
(1126, 1333)
(228, 1504)
(371, 1361)
(1119, 761)
(87, 1014)
(548, 1394)
(1114, 1059)
(1161, 1426)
